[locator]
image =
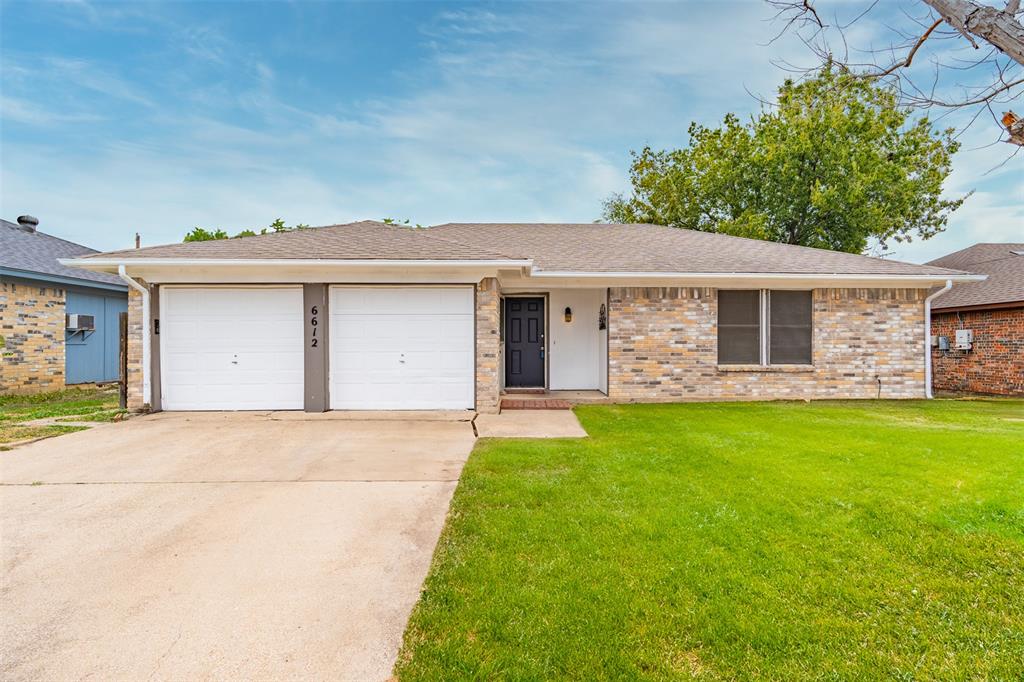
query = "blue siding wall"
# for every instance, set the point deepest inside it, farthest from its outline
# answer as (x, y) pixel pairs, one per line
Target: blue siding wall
(92, 356)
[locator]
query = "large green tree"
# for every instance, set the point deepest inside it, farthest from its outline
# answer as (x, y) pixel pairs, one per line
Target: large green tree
(201, 234)
(832, 164)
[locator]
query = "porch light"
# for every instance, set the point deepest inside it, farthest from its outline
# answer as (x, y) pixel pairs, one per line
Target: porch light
(568, 314)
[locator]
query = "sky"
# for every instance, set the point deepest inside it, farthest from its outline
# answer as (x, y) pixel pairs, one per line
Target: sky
(157, 117)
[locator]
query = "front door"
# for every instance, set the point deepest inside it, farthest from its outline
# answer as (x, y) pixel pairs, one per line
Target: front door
(524, 342)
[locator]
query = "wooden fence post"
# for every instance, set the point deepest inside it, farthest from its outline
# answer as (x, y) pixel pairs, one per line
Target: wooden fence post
(122, 363)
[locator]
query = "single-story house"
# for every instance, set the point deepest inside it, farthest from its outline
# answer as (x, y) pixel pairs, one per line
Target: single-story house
(978, 328)
(374, 316)
(58, 323)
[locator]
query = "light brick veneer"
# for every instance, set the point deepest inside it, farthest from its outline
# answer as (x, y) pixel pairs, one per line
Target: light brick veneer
(488, 345)
(32, 326)
(135, 329)
(663, 347)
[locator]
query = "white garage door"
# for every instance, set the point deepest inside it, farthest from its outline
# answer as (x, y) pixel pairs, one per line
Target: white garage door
(231, 348)
(401, 348)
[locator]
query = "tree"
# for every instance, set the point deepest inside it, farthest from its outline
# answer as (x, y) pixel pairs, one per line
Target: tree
(833, 164)
(950, 81)
(199, 234)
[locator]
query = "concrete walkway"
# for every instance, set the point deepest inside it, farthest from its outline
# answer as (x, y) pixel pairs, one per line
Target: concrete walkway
(530, 424)
(220, 545)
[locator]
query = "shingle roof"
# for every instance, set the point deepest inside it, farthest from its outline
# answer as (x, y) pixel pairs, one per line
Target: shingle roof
(37, 252)
(603, 247)
(365, 240)
(1005, 270)
(578, 247)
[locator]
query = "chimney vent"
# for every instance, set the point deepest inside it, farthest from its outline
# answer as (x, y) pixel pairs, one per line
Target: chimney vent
(28, 223)
(138, 240)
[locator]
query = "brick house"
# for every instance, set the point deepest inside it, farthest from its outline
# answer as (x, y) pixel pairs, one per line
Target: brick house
(39, 351)
(375, 316)
(992, 313)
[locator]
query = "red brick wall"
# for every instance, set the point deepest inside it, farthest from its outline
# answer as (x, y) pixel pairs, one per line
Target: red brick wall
(996, 362)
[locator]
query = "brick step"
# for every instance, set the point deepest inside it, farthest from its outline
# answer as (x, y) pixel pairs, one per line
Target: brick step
(552, 404)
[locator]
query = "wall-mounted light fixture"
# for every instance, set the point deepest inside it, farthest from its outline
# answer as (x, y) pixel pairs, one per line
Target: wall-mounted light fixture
(568, 314)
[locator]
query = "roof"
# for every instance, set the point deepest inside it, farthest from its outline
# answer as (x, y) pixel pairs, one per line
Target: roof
(553, 247)
(365, 240)
(1004, 265)
(34, 255)
(612, 247)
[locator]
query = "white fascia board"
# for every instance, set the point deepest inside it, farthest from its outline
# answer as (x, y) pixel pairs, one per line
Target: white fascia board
(100, 264)
(923, 279)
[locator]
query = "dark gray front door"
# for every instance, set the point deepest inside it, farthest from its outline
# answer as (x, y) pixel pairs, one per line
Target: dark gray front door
(524, 342)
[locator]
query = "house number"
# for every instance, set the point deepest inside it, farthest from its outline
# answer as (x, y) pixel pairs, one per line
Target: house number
(313, 322)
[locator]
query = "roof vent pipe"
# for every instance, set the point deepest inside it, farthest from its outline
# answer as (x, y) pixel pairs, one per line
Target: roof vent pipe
(28, 223)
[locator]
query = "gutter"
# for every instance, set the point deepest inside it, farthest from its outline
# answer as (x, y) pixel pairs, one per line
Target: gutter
(928, 337)
(134, 284)
(965, 277)
(99, 263)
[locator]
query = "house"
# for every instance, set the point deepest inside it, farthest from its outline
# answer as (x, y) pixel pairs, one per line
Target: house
(978, 328)
(58, 324)
(374, 316)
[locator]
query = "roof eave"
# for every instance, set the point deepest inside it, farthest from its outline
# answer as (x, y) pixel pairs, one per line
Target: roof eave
(111, 264)
(917, 278)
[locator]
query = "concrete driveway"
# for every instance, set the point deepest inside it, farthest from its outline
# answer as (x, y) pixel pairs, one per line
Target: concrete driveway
(220, 546)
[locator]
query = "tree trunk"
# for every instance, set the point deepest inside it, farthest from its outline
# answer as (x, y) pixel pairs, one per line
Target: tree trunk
(999, 28)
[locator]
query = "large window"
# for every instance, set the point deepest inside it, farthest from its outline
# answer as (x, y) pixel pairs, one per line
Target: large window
(762, 327)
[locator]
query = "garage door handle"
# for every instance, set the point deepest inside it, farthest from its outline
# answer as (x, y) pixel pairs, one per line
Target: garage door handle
(234, 362)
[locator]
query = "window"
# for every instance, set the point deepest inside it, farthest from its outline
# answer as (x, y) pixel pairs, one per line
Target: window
(789, 332)
(762, 327)
(739, 327)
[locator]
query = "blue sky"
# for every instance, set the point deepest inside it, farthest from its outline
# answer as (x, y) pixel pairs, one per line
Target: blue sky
(155, 117)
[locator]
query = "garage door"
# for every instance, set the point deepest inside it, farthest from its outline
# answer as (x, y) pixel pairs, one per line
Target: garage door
(401, 348)
(231, 348)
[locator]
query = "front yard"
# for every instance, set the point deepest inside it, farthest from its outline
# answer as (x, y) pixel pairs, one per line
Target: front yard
(60, 410)
(736, 541)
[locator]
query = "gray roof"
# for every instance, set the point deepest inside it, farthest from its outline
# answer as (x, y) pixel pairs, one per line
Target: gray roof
(1004, 265)
(365, 240)
(37, 253)
(575, 247)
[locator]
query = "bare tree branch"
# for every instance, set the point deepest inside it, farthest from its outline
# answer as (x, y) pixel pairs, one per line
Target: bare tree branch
(964, 20)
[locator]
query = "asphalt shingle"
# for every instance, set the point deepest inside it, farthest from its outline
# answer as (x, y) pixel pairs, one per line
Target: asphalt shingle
(38, 252)
(1004, 265)
(574, 247)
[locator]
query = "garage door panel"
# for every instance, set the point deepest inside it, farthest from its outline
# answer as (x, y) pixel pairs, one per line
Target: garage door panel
(401, 348)
(230, 348)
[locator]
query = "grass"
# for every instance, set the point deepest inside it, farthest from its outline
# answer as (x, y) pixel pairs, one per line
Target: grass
(73, 404)
(736, 541)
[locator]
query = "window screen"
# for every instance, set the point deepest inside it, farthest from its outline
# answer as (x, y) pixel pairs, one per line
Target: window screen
(739, 327)
(789, 335)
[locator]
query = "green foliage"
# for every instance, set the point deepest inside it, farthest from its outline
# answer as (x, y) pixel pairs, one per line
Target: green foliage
(857, 540)
(835, 163)
(393, 221)
(199, 234)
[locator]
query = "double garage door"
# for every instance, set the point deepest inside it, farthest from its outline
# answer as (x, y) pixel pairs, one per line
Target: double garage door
(389, 348)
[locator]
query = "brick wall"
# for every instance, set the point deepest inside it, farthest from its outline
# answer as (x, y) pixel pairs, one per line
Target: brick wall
(663, 347)
(994, 365)
(32, 326)
(488, 345)
(135, 329)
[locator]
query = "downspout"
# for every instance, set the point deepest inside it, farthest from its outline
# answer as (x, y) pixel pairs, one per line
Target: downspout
(928, 337)
(146, 397)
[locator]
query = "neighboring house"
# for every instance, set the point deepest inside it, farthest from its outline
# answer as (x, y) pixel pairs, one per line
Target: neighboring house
(44, 347)
(989, 318)
(373, 316)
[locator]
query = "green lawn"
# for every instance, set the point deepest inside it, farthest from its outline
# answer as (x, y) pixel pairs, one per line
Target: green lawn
(73, 404)
(736, 541)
